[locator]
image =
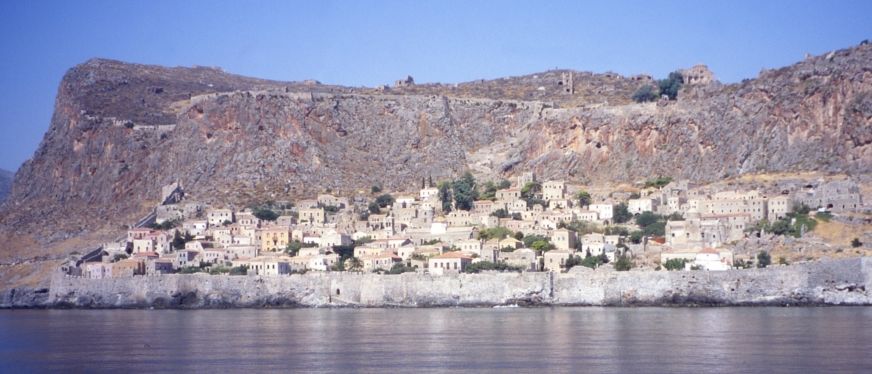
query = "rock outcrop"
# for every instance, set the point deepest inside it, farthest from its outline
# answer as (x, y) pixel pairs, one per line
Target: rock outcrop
(5, 183)
(121, 131)
(837, 282)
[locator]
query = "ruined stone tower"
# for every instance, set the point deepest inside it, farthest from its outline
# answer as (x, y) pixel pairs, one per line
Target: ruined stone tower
(566, 82)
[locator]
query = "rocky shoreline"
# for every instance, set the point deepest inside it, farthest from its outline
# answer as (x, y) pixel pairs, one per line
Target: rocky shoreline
(834, 282)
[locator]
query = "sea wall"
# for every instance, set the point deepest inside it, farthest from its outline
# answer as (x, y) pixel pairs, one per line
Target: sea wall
(837, 282)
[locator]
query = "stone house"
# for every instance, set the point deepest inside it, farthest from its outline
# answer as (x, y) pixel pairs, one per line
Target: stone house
(217, 217)
(240, 251)
(511, 242)
(247, 219)
(137, 233)
(143, 245)
(159, 266)
(274, 238)
(778, 207)
(524, 258)
(382, 261)
(459, 218)
(266, 266)
(129, 267)
(587, 216)
(604, 212)
(834, 195)
(638, 206)
(449, 262)
(97, 270)
(526, 177)
(564, 239)
(553, 190)
(508, 194)
(555, 260)
(367, 250)
(315, 216)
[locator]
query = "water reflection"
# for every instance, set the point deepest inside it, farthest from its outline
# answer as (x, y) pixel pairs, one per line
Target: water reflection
(433, 340)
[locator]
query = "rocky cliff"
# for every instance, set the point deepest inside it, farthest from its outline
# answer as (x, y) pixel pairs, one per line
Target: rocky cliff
(5, 183)
(840, 282)
(121, 131)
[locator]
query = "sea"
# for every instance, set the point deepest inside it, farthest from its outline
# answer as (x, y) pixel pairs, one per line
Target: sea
(506, 340)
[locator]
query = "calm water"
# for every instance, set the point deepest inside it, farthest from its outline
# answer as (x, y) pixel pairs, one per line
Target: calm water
(649, 340)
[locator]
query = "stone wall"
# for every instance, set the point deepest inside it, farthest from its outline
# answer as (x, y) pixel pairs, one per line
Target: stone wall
(839, 282)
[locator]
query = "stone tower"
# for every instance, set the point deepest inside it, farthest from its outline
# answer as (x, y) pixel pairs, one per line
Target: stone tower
(566, 82)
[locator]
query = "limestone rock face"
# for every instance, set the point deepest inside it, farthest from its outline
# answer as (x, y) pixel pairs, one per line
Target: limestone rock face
(5, 183)
(121, 131)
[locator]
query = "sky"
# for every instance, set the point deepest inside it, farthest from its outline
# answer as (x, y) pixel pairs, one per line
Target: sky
(367, 43)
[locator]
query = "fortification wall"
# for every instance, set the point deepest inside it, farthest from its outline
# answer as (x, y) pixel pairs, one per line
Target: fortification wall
(841, 282)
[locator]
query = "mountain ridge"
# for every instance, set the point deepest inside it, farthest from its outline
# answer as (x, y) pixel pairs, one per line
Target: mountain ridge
(121, 131)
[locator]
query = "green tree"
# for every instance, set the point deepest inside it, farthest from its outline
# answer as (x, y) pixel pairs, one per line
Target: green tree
(464, 191)
(636, 237)
(445, 196)
(645, 93)
(675, 264)
(646, 218)
(384, 200)
(623, 263)
(500, 213)
(375, 189)
(373, 208)
(499, 233)
(658, 182)
(400, 268)
(622, 214)
(265, 214)
(583, 198)
(354, 264)
(572, 261)
(504, 184)
(671, 85)
(763, 259)
(489, 191)
(489, 266)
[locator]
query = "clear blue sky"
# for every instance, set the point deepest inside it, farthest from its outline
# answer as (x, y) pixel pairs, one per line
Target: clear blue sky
(375, 42)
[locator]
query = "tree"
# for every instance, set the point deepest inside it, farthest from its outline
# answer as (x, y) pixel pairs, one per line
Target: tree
(658, 182)
(500, 213)
(763, 259)
(265, 214)
(445, 196)
(239, 270)
(572, 261)
(504, 184)
(583, 198)
(384, 200)
(623, 263)
(178, 241)
(489, 191)
(354, 264)
(489, 266)
(373, 208)
(646, 218)
(464, 191)
(645, 93)
(856, 243)
(375, 189)
(636, 237)
(400, 268)
(675, 264)
(499, 233)
(622, 214)
(671, 85)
